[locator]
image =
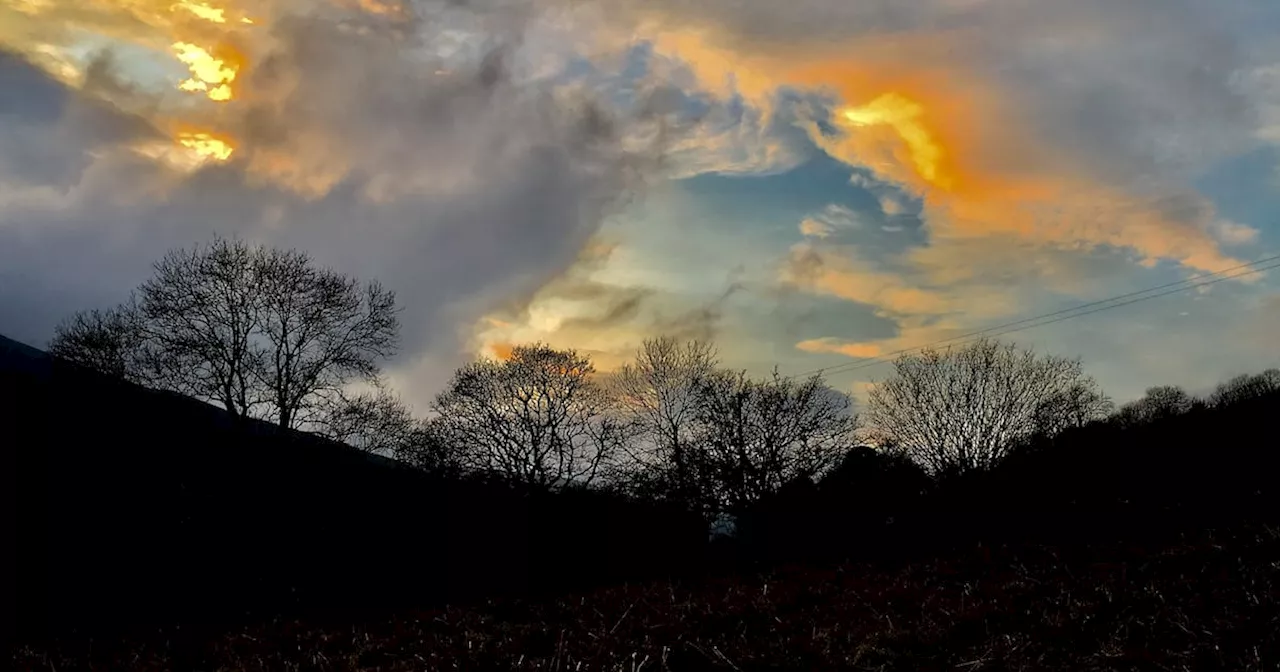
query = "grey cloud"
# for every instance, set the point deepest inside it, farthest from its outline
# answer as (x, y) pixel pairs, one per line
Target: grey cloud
(616, 306)
(702, 322)
(630, 309)
(49, 130)
(1133, 90)
(459, 191)
(1142, 87)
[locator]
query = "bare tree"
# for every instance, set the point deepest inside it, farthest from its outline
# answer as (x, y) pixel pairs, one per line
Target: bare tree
(1159, 403)
(1246, 387)
(658, 398)
(538, 418)
(1076, 406)
(108, 341)
(262, 332)
(756, 436)
(320, 330)
(433, 450)
(964, 408)
(201, 308)
(376, 422)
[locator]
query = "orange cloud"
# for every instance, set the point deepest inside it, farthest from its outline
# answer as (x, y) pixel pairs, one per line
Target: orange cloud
(959, 142)
(842, 275)
(913, 332)
(211, 74)
(814, 228)
(846, 348)
(208, 37)
(501, 351)
(207, 146)
(150, 23)
(203, 11)
(904, 117)
(386, 8)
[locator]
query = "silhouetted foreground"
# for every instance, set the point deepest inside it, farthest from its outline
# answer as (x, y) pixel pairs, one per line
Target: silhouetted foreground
(136, 506)
(1100, 483)
(1209, 601)
(133, 507)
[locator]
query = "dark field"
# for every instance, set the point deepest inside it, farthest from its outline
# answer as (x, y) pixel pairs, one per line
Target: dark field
(1205, 601)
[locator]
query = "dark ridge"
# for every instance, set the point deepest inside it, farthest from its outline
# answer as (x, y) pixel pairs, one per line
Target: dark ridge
(133, 506)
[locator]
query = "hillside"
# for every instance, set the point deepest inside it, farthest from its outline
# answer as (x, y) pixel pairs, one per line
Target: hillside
(137, 506)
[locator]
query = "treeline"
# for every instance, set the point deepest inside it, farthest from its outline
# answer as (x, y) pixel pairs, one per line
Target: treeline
(266, 334)
(983, 440)
(1166, 464)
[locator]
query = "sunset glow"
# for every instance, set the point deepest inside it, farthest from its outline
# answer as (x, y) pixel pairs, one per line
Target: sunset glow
(210, 75)
(203, 11)
(905, 118)
(206, 146)
(805, 183)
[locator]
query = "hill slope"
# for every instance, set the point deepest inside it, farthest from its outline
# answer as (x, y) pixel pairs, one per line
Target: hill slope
(133, 505)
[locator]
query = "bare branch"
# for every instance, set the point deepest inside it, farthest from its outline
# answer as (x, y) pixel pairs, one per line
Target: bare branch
(964, 408)
(538, 418)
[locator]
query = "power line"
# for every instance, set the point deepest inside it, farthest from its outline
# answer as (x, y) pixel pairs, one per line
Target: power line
(1013, 327)
(998, 331)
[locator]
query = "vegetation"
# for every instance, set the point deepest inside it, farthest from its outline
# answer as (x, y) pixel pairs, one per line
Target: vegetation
(990, 502)
(1205, 601)
(966, 407)
(538, 418)
(262, 332)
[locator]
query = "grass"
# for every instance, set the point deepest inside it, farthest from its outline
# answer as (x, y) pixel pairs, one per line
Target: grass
(1207, 601)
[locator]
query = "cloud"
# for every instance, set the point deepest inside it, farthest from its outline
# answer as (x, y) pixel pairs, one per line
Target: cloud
(891, 206)
(943, 289)
(603, 319)
(826, 223)
(1046, 147)
(848, 349)
(1233, 233)
(454, 179)
(1005, 117)
(1264, 328)
(1264, 82)
(50, 131)
(466, 152)
(840, 272)
(710, 130)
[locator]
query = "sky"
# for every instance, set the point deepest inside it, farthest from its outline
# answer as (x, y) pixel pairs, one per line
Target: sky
(808, 183)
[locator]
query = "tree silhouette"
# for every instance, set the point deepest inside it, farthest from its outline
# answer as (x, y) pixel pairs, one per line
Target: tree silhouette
(658, 396)
(538, 418)
(201, 307)
(109, 341)
(320, 329)
(247, 327)
(1246, 387)
(432, 450)
(756, 435)
(1159, 403)
(376, 422)
(1075, 406)
(964, 408)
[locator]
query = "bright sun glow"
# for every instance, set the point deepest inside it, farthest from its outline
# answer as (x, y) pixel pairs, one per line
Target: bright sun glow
(203, 11)
(208, 74)
(206, 146)
(904, 116)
